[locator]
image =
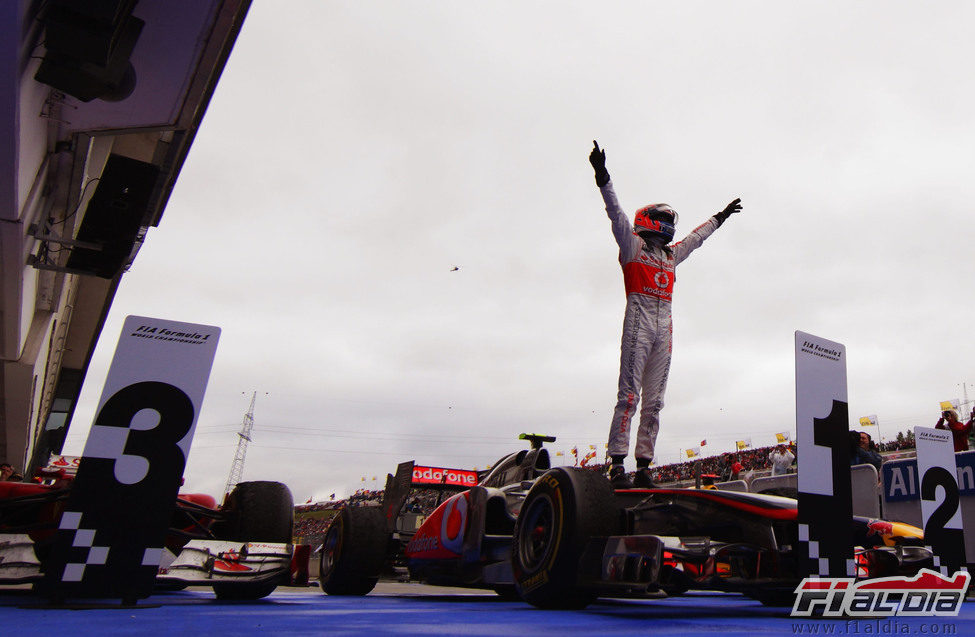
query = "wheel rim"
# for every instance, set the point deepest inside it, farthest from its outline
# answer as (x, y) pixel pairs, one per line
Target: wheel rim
(331, 549)
(537, 533)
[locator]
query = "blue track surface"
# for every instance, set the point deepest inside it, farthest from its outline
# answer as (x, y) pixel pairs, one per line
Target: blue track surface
(406, 609)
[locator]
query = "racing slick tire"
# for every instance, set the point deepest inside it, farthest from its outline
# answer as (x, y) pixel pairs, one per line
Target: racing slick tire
(564, 509)
(354, 551)
(256, 512)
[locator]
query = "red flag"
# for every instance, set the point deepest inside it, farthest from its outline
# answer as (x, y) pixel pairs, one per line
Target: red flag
(704, 442)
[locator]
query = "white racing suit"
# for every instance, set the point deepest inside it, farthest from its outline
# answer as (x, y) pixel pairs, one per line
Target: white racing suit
(648, 275)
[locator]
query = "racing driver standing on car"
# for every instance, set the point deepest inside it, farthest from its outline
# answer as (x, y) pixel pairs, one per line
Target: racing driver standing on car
(648, 260)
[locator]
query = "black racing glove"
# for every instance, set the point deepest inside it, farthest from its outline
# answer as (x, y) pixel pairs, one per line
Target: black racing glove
(598, 160)
(730, 209)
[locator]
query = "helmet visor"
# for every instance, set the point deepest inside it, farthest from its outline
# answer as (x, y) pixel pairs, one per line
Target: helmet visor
(658, 219)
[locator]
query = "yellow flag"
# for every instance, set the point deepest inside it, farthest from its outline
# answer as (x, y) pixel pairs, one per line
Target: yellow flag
(781, 438)
(691, 453)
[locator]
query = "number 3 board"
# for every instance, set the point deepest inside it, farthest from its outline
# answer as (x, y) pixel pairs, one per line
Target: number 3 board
(112, 532)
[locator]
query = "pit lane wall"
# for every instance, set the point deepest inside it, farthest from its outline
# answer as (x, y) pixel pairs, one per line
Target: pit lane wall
(864, 479)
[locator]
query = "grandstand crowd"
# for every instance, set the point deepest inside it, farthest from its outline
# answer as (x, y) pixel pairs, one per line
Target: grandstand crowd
(310, 523)
(756, 461)
(752, 462)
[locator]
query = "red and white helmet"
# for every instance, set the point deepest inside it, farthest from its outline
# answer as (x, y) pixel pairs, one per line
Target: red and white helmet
(658, 219)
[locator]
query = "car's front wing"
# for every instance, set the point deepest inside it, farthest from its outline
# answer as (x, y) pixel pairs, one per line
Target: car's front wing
(637, 565)
(18, 561)
(206, 562)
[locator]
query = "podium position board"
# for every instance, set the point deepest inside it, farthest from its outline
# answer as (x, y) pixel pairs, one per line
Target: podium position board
(822, 433)
(112, 533)
(940, 514)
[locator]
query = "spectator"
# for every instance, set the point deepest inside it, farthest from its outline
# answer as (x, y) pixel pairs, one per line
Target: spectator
(871, 452)
(729, 468)
(9, 474)
(862, 451)
(736, 468)
(959, 430)
(724, 467)
(781, 459)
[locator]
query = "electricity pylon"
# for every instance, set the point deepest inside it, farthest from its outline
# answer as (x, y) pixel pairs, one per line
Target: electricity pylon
(244, 436)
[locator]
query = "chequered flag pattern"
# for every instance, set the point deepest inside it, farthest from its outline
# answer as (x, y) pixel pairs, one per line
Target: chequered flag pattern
(822, 564)
(83, 538)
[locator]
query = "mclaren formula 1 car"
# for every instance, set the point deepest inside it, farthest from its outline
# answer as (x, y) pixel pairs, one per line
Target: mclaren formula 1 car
(241, 548)
(561, 537)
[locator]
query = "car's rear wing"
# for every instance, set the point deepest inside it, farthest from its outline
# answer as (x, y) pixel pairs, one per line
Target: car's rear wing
(396, 492)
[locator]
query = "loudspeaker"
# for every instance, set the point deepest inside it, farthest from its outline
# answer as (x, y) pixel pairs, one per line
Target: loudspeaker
(88, 48)
(114, 216)
(89, 31)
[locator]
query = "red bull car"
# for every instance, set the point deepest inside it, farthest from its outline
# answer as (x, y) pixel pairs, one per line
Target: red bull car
(561, 537)
(242, 548)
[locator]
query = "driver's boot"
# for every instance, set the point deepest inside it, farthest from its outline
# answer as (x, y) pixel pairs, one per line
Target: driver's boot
(642, 479)
(618, 477)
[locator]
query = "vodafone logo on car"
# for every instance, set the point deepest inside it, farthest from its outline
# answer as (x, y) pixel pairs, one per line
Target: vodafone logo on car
(442, 535)
(439, 475)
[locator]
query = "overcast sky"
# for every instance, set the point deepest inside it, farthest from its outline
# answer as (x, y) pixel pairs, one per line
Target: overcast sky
(355, 153)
